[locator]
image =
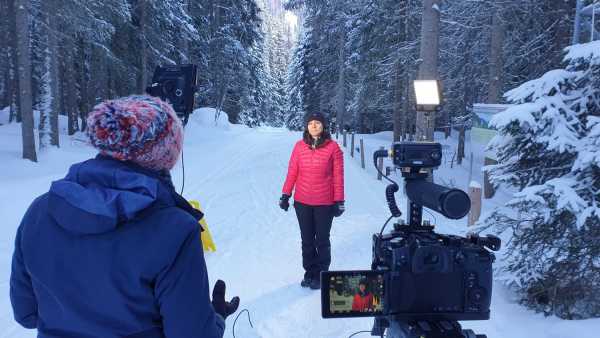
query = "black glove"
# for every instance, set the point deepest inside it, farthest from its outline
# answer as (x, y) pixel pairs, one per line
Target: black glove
(218, 300)
(284, 202)
(338, 209)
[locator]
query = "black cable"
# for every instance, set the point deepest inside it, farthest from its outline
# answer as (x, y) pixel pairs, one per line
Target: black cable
(391, 200)
(355, 333)
(376, 155)
(183, 173)
(389, 191)
(385, 224)
(236, 318)
(432, 215)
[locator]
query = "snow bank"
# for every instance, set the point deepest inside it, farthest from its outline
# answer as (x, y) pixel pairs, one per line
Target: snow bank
(207, 117)
(4, 115)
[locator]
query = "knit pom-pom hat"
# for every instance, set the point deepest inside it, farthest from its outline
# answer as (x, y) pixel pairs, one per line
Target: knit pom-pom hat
(138, 128)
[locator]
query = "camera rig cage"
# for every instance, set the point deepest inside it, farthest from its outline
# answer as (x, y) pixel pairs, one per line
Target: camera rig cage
(431, 280)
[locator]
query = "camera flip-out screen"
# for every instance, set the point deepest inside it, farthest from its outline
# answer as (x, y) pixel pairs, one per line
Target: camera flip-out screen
(352, 294)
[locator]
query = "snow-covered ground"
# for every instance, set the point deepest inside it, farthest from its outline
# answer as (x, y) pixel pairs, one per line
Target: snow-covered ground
(236, 173)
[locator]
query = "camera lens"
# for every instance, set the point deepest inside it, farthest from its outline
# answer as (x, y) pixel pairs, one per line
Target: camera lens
(456, 204)
(168, 87)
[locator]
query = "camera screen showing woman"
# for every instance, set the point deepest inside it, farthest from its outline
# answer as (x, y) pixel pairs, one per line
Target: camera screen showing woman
(363, 299)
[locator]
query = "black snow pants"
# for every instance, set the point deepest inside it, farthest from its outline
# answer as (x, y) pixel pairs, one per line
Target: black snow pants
(315, 225)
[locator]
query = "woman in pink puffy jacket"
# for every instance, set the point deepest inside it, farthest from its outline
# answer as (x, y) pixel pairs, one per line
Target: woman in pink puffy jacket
(316, 170)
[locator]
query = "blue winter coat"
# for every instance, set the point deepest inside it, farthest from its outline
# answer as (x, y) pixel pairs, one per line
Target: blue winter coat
(112, 251)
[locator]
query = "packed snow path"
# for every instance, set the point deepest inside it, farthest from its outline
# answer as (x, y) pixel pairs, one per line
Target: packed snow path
(237, 173)
(258, 244)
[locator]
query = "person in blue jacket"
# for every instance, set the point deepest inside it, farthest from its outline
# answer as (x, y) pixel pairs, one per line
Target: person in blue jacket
(112, 250)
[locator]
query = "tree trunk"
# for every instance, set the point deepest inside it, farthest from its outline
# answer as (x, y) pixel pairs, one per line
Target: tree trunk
(5, 64)
(184, 53)
(461, 145)
(84, 82)
(341, 83)
(22, 9)
(398, 111)
(53, 70)
(14, 113)
(577, 23)
(496, 64)
(428, 69)
(69, 92)
(143, 47)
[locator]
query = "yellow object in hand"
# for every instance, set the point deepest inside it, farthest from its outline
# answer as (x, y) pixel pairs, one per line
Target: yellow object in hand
(205, 237)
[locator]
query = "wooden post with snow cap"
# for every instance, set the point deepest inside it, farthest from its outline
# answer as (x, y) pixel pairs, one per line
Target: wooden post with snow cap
(362, 154)
(352, 145)
(380, 164)
(475, 196)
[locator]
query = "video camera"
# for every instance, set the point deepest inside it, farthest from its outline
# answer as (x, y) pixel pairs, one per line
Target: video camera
(421, 282)
(176, 84)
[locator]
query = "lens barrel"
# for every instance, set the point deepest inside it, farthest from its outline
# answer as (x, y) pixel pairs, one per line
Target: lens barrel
(452, 203)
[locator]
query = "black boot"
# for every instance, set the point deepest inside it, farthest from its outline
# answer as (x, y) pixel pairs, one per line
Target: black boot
(306, 282)
(315, 283)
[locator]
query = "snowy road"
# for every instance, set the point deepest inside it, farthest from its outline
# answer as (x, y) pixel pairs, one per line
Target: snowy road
(258, 245)
(236, 173)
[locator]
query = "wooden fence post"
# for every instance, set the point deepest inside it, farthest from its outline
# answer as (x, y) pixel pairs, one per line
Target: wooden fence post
(344, 135)
(380, 165)
(488, 188)
(461, 145)
(352, 145)
(475, 196)
(362, 154)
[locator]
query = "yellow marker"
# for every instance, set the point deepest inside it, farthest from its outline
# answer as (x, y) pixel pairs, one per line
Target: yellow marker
(205, 237)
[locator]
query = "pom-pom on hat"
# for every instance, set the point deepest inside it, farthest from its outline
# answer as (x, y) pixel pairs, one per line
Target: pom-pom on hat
(138, 128)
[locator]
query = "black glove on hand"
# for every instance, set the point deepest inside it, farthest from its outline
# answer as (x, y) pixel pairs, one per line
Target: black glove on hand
(284, 202)
(218, 300)
(338, 209)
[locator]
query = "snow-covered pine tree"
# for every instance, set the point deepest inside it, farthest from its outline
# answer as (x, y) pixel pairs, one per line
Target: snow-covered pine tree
(294, 119)
(256, 101)
(45, 72)
(278, 69)
(548, 148)
(231, 29)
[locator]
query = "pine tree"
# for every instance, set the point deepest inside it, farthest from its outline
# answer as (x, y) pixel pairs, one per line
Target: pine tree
(295, 108)
(548, 149)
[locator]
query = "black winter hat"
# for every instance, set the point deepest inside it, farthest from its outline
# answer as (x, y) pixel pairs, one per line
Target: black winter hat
(317, 116)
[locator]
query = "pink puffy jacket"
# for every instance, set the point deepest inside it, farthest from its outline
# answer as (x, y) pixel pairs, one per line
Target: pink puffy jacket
(318, 174)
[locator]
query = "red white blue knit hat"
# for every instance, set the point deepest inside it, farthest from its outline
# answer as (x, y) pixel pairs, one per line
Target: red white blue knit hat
(138, 128)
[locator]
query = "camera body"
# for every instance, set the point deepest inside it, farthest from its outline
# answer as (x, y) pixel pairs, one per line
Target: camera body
(175, 84)
(434, 277)
(427, 281)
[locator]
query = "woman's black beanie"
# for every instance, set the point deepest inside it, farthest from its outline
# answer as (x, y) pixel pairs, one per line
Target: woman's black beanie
(317, 116)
